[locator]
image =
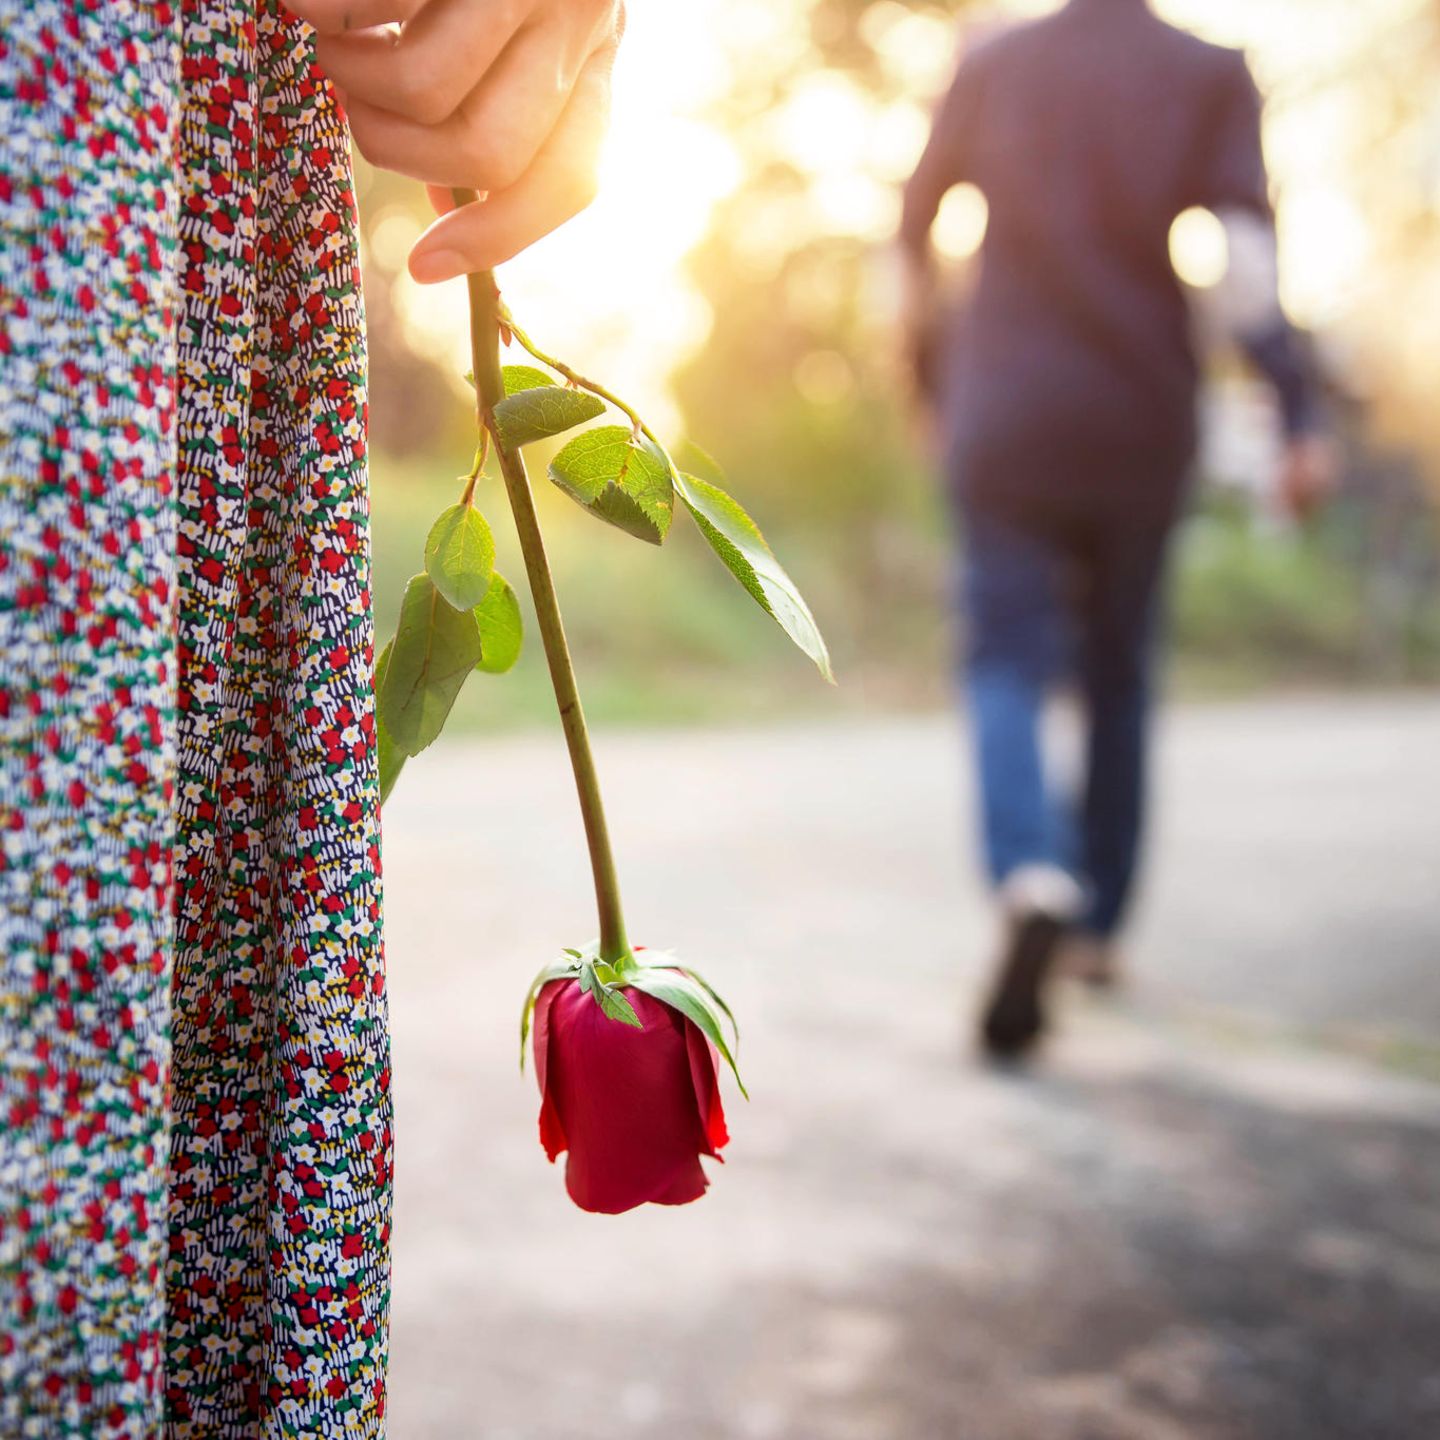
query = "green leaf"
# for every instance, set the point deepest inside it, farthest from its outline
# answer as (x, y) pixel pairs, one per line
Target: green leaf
(435, 648)
(680, 992)
(502, 631)
(517, 378)
(545, 410)
(523, 377)
(613, 1004)
(556, 970)
(391, 760)
(697, 461)
(616, 1007)
(460, 556)
(737, 540)
(664, 960)
(620, 479)
(714, 994)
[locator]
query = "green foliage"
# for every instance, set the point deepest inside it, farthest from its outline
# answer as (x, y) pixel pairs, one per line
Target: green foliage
(1251, 605)
(391, 760)
(663, 635)
(714, 995)
(522, 377)
(459, 556)
(620, 473)
(1242, 594)
(608, 996)
(435, 648)
(737, 540)
(692, 459)
(681, 992)
(538, 412)
(502, 631)
(659, 976)
(569, 968)
(623, 480)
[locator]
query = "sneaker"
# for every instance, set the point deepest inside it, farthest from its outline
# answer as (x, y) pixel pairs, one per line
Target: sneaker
(1014, 1017)
(1041, 903)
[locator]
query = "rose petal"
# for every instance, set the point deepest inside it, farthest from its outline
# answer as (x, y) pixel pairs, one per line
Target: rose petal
(689, 1184)
(704, 1075)
(626, 1099)
(552, 1129)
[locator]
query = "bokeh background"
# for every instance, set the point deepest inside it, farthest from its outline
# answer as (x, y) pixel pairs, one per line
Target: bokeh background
(733, 281)
(1209, 1214)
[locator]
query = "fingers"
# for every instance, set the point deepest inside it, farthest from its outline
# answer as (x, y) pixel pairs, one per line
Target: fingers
(490, 142)
(1309, 475)
(335, 17)
(560, 183)
(442, 199)
(426, 70)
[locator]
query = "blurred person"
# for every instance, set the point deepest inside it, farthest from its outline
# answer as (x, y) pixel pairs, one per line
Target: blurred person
(1066, 391)
(196, 1141)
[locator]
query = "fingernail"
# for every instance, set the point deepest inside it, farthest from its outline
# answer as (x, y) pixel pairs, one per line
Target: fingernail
(431, 266)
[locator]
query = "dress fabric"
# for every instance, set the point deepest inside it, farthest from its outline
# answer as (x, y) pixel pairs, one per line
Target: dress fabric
(195, 1137)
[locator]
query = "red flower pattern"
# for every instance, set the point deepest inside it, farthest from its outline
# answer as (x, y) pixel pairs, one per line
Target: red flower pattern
(190, 956)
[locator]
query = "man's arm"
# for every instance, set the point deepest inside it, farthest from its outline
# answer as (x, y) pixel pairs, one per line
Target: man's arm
(1247, 301)
(1232, 181)
(945, 162)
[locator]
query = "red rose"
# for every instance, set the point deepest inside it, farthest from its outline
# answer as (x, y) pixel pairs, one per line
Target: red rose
(636, 1108)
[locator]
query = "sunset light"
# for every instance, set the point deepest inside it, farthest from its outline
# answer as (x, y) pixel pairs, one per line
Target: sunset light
(614, 281)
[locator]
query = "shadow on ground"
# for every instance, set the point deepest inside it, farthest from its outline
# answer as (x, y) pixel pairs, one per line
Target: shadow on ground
(1169, 1262)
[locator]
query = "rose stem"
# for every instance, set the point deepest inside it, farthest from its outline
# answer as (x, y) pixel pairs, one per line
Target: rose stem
(490, 390)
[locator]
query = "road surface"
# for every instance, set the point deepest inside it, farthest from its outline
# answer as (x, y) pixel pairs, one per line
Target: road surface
(1210, 1214)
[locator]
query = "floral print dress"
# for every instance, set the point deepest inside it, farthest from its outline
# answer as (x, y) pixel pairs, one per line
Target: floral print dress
(195, 1140)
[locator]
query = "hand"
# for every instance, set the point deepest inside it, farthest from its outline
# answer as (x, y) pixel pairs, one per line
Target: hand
(1309, 474)
(506, 97)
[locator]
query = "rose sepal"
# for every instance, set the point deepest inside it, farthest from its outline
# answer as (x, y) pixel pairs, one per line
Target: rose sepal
(660, 975)
(665, 979)
(555, 970)
(596, 977)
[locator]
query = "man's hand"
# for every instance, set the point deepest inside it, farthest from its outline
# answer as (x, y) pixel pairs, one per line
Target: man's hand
(1309, 474)
(507, 97)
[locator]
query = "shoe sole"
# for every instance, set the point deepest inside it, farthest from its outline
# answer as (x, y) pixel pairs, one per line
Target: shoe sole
(1014, 1019)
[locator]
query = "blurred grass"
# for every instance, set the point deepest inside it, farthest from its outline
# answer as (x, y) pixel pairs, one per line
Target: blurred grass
(1257, 605)
(664, 636)
(657, 635)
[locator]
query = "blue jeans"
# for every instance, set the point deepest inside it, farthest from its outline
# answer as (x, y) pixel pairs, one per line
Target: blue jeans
(1067, 594)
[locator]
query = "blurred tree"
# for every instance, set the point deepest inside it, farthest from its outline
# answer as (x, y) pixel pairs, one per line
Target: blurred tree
(413, 393)
(797, 381)
(825, 105)
(1392, 170)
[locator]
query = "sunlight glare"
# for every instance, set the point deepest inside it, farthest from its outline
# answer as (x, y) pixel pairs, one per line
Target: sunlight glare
(1199, 250)
(610, 290)
(822, 125)
(391, 235)
(916, 48)
(1326, 246)
(961, 223)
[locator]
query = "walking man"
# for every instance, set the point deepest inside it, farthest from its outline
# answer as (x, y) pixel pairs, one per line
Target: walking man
(1066, 392)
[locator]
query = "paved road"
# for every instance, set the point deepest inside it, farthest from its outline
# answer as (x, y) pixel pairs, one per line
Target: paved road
(1199, 1220)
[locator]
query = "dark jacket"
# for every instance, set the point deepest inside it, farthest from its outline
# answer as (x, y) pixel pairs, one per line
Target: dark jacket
(1088, 132)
